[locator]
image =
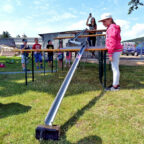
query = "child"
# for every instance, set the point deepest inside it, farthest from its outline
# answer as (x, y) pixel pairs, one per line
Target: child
(50, 54)
(68, 58)
(37, 55)
(113, 44)
(60, 55)
(24, 55)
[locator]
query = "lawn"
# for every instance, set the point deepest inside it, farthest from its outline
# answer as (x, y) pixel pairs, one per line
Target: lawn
(87, 115)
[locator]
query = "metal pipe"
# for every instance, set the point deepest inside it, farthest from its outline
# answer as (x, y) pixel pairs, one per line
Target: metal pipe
(56, 104)
(25, 68)
(44, 63)
(33, 66)
(75, 42)
(104, 69)
(52, 64)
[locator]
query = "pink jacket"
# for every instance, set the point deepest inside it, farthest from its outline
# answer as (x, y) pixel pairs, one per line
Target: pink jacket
(113, 39)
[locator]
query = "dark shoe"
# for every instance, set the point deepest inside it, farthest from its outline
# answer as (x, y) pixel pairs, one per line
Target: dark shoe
(111, 88)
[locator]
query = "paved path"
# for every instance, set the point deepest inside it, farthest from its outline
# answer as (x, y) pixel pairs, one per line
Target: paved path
(22, 72)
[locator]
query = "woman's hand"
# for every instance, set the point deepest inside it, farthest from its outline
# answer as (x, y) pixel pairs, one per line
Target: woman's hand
(110, 59)
(89, 16)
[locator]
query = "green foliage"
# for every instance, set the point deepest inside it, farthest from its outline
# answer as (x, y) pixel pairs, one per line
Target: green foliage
(134, 4)
(5, 34)
(24, 36)
(18, 36)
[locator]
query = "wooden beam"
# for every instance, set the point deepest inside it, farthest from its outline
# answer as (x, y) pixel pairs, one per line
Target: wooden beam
(75, 32)
(59, 50)
(102, 30)
(82, 36)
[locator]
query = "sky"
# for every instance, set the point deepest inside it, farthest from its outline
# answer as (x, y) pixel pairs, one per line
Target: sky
(33, 17)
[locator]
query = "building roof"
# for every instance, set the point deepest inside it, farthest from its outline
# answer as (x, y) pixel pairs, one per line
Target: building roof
(71, 32)
(64, 32)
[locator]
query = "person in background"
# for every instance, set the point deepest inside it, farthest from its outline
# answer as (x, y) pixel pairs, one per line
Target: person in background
(60, 55)
(37, 55)
(24, 55)
(93, 27)
(50, 54)
(68, 58)
(113, 44)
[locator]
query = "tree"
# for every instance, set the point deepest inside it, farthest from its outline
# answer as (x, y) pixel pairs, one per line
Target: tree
(18, 36)
(5, 34)
(134, 4)
(24, 36)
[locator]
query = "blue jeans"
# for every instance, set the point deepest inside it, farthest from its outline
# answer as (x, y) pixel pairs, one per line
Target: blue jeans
(38, 57)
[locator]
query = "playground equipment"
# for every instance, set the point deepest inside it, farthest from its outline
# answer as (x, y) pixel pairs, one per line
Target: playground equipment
(72, 49)
(50, 131)
(32, 64)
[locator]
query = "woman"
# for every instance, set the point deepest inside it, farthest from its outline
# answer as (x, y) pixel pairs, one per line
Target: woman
(92, 26)
(113, 44)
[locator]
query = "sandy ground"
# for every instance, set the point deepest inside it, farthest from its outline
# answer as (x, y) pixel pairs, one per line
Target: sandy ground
(131, 62)
(126, 60)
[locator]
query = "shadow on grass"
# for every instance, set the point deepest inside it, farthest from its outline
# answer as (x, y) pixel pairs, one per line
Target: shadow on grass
(49, 84)
(12, 109)
(90, 140)
(72, 121)
(84, 80)
(93, 139)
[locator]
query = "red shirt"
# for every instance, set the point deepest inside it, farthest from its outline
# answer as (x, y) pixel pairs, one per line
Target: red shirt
(36, 46)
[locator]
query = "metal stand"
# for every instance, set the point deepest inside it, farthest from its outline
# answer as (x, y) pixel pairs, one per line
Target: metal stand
(44, 63)
(101, 67)
(62, 61)
(104, 69)
(52, 65)
(56, 63)
(25, 68)
(32, 66)
(44, 132)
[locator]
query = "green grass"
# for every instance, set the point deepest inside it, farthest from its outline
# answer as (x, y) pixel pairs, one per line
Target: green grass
(86, 115)
(13, 64)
